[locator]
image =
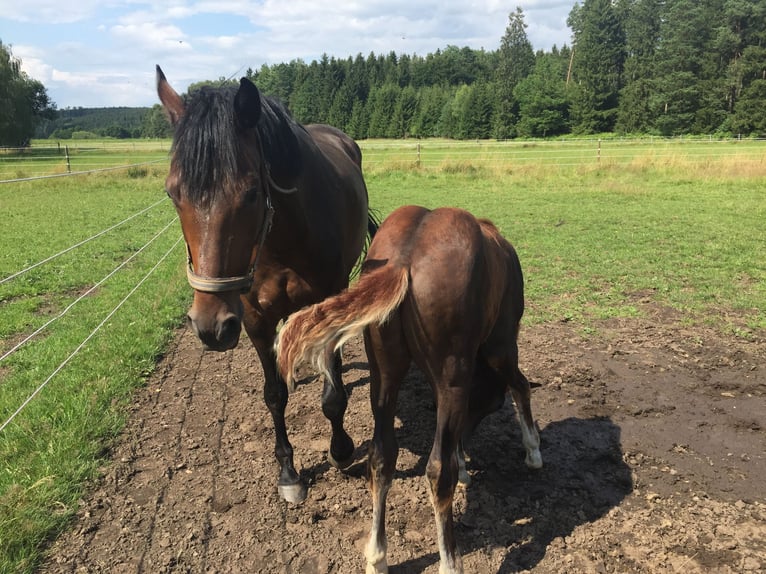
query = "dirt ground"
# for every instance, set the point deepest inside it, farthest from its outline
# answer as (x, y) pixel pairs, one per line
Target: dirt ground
(652, 438)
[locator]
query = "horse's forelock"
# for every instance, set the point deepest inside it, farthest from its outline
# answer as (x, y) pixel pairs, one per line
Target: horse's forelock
(206, 146)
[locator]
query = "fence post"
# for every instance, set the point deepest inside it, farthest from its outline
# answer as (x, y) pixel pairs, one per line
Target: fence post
(418, 162)
(599, 151)
(68, 166)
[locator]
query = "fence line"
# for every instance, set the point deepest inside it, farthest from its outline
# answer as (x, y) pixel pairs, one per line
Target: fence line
(558, 152)
(429, 153)
(68, 173)
(88, 292)
(81, 243)
(90, 336)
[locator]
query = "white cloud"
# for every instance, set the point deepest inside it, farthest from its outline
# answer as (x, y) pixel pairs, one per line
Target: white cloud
(103, 52)
(151, 36)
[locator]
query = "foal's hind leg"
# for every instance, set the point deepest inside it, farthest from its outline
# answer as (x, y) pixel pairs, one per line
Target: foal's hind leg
(442, 470)
(529, 437)
(334, 403)
(389, 360)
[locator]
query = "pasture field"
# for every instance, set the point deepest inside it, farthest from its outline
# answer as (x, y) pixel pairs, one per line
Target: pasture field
(45, 158)
(597, 240)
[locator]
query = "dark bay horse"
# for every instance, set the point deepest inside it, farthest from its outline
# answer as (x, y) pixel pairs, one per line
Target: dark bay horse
(275, 216)
(445, 290)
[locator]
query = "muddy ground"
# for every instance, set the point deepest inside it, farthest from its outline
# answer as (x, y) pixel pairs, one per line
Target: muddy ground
(652, 437)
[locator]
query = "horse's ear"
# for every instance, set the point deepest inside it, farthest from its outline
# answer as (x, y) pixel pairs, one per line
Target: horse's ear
(247, 104)
(171, 101)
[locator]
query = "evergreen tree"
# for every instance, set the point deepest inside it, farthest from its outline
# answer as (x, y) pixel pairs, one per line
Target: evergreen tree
(358, 125)
(749, 115)
(515, 62)
(431, 101)
(339, 114)
(642, 36)
(382, 104)
(681, 69)
(599, 57)
(404, 113)
(542, 97)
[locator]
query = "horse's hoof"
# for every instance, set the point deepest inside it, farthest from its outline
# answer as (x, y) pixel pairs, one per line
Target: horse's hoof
(293, 493)
(341, 464)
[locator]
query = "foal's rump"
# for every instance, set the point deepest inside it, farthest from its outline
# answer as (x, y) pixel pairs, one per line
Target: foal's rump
(442, 269)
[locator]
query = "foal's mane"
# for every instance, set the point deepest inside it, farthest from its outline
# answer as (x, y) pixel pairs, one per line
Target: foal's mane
(208, 144)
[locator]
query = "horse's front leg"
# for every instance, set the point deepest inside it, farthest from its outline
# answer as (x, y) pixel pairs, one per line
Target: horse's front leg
(334, 403)
(275, 395)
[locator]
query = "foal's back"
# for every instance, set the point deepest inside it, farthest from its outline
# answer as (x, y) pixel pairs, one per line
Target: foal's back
(459, 284)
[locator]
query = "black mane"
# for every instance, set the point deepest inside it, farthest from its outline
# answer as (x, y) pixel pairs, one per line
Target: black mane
(207, 144)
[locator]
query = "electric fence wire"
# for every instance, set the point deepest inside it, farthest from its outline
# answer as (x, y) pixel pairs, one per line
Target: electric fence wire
(90, 336)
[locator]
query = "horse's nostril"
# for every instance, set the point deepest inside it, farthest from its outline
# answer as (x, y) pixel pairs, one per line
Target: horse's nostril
(229, 329)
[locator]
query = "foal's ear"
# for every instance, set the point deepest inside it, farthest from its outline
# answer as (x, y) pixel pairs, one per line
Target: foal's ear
(171, 101)
(247, 104)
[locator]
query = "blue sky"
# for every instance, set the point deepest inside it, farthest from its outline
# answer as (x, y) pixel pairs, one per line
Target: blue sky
(95, 53)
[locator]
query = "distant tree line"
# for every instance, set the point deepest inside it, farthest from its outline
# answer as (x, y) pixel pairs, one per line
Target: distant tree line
(74, 123)
(665, 67)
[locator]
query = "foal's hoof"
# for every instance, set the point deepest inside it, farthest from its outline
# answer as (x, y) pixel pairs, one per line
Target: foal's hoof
(534, 459)
(293, 493)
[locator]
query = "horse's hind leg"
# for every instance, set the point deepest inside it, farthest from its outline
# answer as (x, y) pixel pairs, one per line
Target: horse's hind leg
(334, 403)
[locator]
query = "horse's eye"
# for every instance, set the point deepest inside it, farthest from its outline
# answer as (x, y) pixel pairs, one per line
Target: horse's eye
(252, 194)
(172, 195)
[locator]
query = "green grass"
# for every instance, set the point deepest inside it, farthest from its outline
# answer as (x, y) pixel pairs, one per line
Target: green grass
(593, 241)
(56, 444)
(594, 238)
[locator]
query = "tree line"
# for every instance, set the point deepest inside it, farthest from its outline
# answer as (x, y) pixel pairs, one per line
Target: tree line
(664, 67)
(24, 101)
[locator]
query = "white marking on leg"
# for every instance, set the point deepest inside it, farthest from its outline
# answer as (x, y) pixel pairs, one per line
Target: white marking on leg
(462, 473)
(375, 553)
(447, 564)
(293, 493)
(531, 441)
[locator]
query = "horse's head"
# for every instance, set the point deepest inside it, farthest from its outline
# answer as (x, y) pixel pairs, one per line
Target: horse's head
(219, 184)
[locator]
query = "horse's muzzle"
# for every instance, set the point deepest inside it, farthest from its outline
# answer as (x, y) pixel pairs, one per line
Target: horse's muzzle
(220, 334)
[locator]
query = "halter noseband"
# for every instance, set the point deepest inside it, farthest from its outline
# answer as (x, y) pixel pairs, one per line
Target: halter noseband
(241, 283)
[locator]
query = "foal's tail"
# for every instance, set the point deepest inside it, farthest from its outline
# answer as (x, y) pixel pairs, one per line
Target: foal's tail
(313, 334)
